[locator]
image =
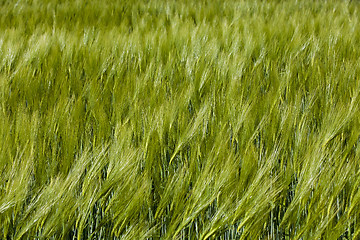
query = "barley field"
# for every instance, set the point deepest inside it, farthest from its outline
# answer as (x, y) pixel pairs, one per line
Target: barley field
(179, 119)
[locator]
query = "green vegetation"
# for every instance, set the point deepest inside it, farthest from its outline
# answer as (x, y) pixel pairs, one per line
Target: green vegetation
(179, 119)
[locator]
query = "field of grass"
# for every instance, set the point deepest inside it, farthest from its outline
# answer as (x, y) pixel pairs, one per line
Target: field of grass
(179, 119)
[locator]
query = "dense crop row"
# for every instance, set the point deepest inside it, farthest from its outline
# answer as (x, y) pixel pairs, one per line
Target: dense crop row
(179, 119)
